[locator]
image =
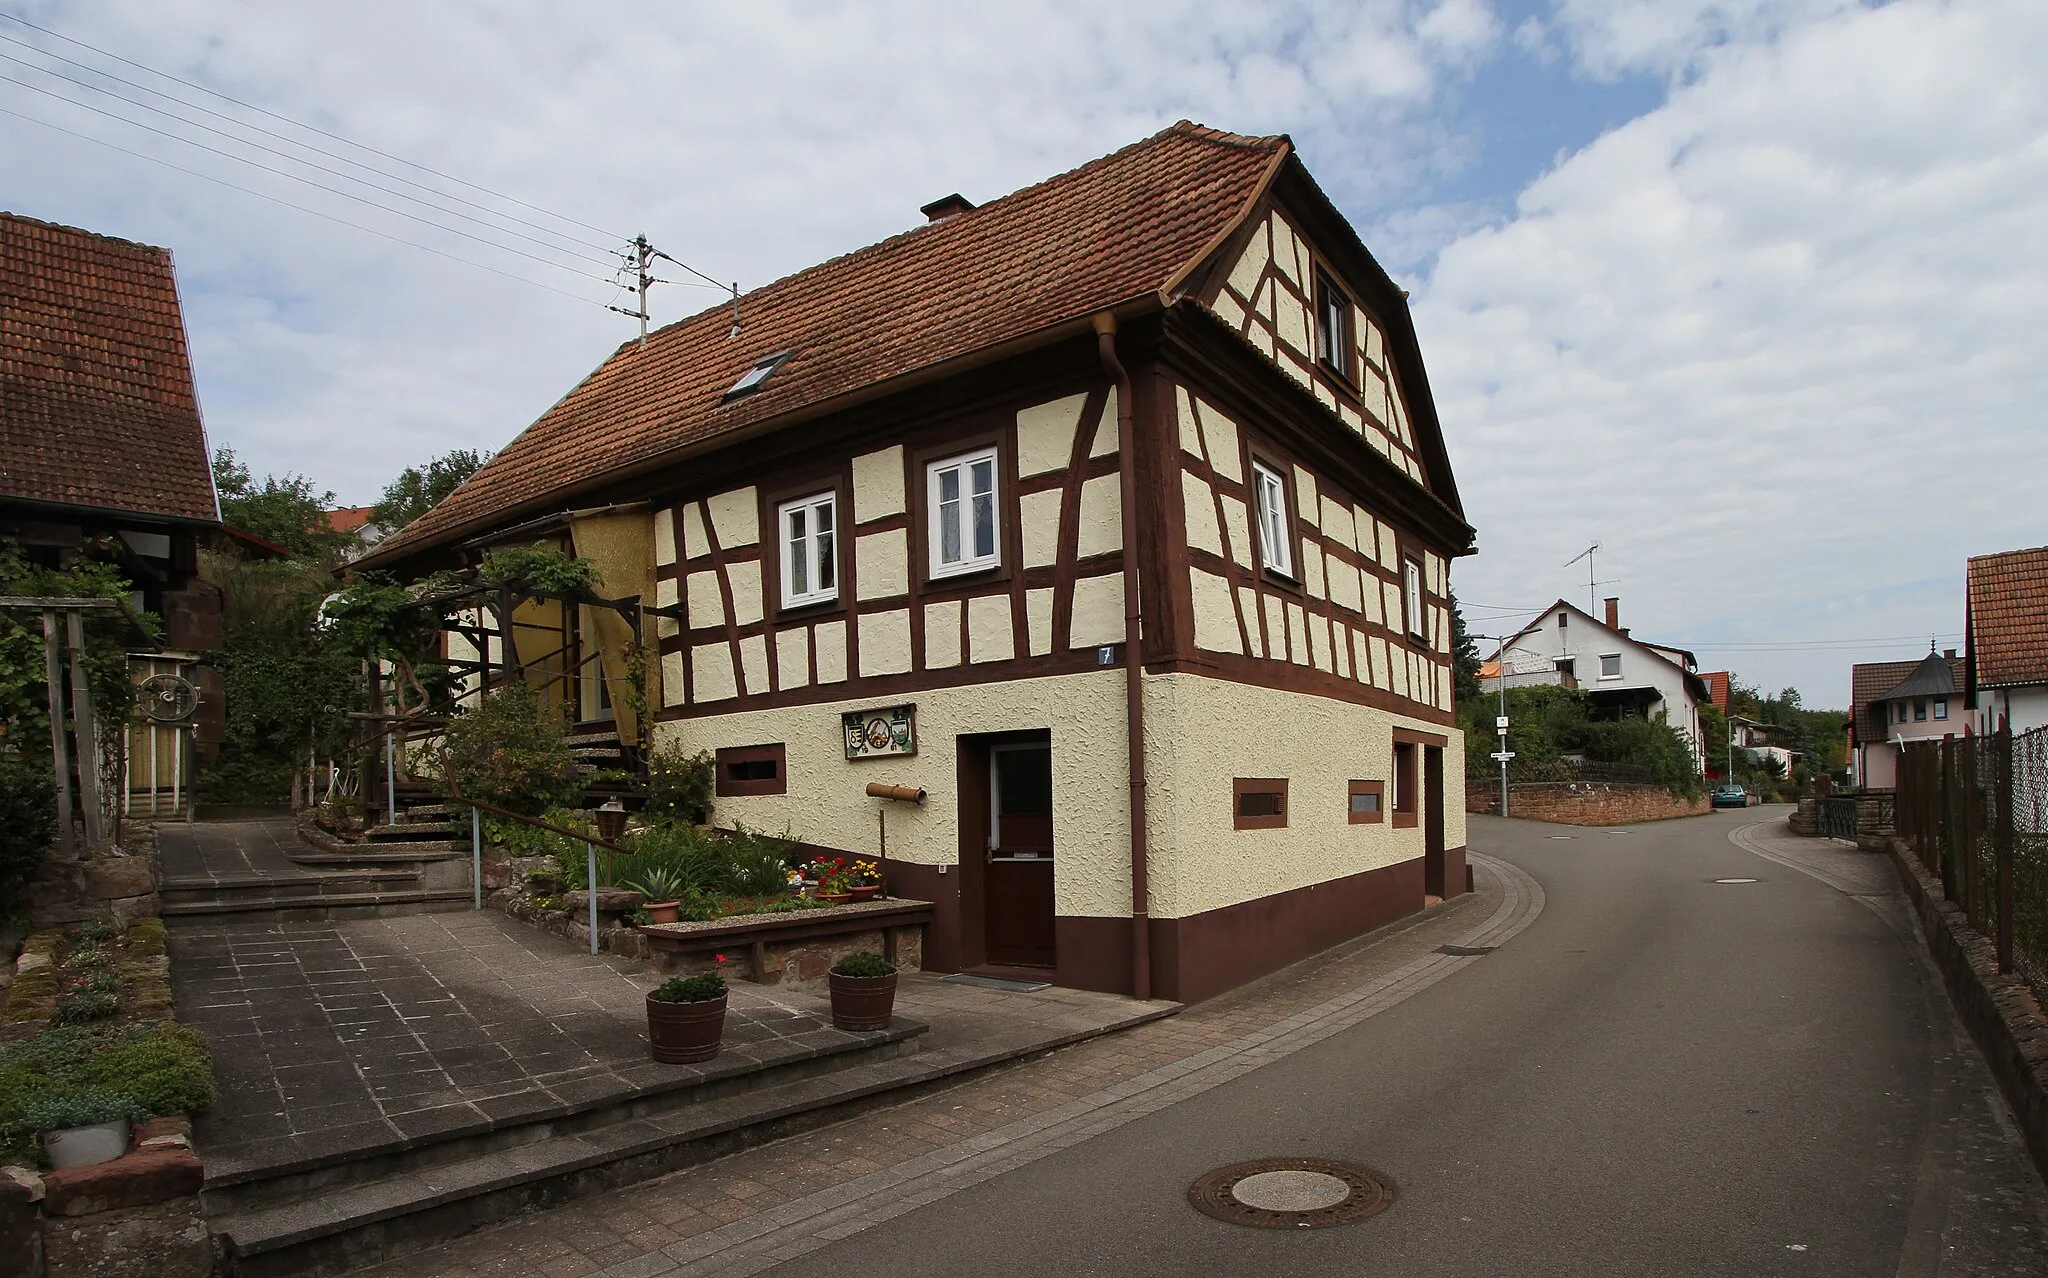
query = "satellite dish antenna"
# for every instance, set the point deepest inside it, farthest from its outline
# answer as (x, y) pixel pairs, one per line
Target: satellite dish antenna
(168, 698)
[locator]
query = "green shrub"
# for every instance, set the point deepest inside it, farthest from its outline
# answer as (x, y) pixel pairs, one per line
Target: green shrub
(164, 1069)
(701, 988)
(79, 1006)
(506, 750)
(657, 883)
(54, 1112)
(168, 1069)
(146, 939)
(96, 932)
(542, 569)
(28, 826)
(864, 964)
(678, 786)
(756, 864)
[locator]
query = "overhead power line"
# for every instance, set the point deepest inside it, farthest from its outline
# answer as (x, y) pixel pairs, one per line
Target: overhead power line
(289, 141)
(265, 195)
(336, 137)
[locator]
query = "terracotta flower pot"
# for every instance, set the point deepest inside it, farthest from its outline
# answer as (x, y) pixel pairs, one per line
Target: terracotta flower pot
(678, 1033)
(866, 891)
(662, 911)
(862, 1002)
(836, 898)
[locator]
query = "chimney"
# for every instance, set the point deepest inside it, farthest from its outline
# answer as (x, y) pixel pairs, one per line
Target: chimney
(1613, 603)
(1949, 653)
(946, 206)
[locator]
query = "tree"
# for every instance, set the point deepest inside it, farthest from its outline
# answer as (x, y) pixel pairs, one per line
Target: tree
(288, 511)
(419, 489)
(1464, 658)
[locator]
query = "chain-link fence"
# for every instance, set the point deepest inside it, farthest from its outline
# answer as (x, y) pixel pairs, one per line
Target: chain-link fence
(1974, 810)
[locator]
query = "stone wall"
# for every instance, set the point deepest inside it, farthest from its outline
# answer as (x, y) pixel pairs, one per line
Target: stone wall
(1586, 803)
(138, 1214)
(2001, 1012)
(116, 882)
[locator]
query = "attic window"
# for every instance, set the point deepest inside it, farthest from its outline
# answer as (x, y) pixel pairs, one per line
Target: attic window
(750, 381)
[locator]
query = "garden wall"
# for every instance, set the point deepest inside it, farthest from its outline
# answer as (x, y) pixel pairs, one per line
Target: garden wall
(1585, 802)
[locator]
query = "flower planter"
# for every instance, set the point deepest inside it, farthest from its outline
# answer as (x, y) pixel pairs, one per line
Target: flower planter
(836, 898)
(862, 1002)
(679, 1033)
(84, 1146)
(662, 911)
(866, 891)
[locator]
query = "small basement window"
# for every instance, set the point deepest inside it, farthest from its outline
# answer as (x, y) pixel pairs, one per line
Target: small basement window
(755, 769)
(1368, 802)
(750, 381)
(1259, 803)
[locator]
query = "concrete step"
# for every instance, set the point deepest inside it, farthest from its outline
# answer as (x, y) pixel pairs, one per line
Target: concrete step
(407, 831)
(608, 738)
(381, 854)
(186, 891)
(317, 908)
(329, 1217)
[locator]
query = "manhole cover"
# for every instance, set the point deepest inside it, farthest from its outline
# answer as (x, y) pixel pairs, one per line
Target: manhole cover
(1735, 880)
(1292, 1193)
(1463, 950)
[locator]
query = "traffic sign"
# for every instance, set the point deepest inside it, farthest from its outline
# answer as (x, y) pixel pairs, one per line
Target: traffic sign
(1502, 756)
(1501, 721)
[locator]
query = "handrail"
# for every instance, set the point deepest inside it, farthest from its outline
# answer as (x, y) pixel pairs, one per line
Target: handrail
(456, 796)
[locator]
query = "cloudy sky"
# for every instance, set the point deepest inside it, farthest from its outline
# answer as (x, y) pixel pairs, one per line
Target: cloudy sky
(1751, 292)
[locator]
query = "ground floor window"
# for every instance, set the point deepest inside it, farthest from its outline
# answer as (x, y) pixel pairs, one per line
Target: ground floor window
(1368, 802)
(1407, 785)
(1259, 803)
(755, 769)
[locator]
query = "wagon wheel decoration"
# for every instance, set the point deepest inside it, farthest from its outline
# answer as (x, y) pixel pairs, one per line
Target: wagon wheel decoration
(167, 698)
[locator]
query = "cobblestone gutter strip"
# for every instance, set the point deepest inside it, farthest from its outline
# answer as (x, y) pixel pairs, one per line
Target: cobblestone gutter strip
(758, 1242)
(2001, 1012)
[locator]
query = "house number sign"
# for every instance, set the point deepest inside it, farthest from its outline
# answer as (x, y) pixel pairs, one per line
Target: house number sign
(887, 733)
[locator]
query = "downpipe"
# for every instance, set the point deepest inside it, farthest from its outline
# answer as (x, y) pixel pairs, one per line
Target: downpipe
(1134, 692)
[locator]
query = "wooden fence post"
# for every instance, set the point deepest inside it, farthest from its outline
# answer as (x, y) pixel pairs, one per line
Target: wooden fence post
(2001, 818)
(1952, 885)
(1969, 802)
(60, 761)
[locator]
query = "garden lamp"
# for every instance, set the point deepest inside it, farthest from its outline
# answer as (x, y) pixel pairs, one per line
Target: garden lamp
(611, 820)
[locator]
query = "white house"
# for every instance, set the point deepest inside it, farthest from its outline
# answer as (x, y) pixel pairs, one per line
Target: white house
(1624, 676)
(2008, 635)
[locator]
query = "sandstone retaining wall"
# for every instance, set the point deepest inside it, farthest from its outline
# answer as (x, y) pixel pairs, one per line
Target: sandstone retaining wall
(1586, 803)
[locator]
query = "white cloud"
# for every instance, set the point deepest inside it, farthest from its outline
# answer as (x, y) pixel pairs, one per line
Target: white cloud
(1773, 343)
(749, 140)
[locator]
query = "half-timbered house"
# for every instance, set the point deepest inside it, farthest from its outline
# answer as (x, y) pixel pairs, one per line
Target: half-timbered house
(1114, 515)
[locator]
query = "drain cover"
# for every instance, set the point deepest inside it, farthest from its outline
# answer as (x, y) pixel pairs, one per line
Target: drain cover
(1462, 950)
(1735, 880)
(1292, 1193)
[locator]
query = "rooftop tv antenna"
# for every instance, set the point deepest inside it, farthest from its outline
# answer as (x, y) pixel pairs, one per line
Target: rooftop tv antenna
(1592, 584)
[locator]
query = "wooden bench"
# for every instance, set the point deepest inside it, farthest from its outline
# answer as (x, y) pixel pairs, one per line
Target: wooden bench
(754, 932)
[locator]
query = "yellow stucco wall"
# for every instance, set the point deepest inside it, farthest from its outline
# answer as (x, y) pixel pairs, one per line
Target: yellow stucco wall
(826, 801)
(1200, 734)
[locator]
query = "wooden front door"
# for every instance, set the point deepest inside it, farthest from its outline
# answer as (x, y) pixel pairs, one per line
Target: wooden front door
(1433, 823)
(1017, 885)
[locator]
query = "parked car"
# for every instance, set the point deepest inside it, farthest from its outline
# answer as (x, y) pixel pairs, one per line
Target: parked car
(1729, 796)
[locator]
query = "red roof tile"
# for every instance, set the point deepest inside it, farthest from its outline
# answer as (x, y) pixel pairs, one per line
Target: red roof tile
(2009, 617)
(1110, 231)
(1872, 680)
(96, 400)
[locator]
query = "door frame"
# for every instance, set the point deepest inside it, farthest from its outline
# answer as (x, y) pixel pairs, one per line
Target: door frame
(1434, 853)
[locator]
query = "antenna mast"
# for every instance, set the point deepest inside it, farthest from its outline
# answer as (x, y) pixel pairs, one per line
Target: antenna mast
(1592, 585)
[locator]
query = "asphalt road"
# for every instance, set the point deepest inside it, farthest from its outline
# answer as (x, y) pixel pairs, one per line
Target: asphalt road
(1662, 1075)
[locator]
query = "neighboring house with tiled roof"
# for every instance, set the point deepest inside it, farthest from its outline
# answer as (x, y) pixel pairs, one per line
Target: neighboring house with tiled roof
(100, 438)
(99, 423)
(1622, 676)
(1895, 702)
(902, 515)
(2008, 639)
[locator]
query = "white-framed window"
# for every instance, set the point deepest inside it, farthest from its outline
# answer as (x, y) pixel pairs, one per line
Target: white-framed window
(965, 526)
(1276, 550)
(1610, 665)
(810, 550)
(1411, 598)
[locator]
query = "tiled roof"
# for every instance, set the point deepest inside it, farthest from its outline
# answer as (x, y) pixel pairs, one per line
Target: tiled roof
(1108, 232)
(1932, 677)
(1871, 681)
(2009, 617)
(1717, 688)
(96, 400)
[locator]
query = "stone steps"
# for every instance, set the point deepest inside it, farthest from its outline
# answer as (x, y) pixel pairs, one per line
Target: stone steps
(191, 891)
(408, 831)
(327, 1216)
(324, 907)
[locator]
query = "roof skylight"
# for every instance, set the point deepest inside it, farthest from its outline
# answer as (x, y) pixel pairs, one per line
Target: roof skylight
(751, 380)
